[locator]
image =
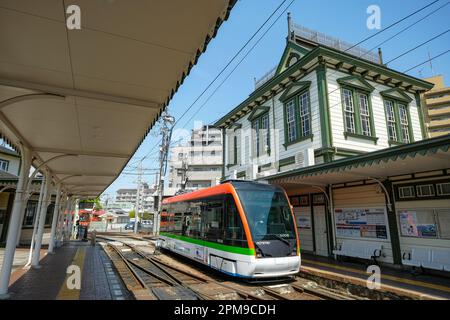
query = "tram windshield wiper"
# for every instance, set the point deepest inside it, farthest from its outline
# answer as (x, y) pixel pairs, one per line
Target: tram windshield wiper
(280, 238)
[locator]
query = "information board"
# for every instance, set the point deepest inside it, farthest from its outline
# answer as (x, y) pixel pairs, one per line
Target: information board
(361, 223)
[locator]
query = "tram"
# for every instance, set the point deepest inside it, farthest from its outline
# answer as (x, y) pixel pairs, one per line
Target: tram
(241, 228)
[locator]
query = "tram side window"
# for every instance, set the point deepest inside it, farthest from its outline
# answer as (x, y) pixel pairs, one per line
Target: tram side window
(192, 220)
(234, 235)
(212, 219)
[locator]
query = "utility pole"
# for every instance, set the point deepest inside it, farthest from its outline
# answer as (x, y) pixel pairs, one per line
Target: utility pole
(184, 177)
(166, 133)
(138, 194)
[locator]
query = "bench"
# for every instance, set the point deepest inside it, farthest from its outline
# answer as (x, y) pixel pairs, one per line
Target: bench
(430, 258)
(359, 249)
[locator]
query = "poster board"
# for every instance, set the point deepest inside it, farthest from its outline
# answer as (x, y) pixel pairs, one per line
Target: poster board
(417, 223)
(361, 223)
(304, 222)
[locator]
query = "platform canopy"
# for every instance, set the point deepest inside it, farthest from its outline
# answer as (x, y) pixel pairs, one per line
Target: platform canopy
(88, 97)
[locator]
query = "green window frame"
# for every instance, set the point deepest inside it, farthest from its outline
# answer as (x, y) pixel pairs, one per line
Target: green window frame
(357, 113)
(398, 121)
(297, 118)
(261, 135)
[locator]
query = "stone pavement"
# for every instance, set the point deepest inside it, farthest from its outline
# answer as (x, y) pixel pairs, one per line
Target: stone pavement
(99, 280)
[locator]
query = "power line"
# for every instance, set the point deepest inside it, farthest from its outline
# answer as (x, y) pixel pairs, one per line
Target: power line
(223, 69)
(418, 46)
(237, 65)
(409, 26)
(426, 61)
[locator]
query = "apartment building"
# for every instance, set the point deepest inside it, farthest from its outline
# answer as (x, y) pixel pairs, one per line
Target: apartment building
(126, 198)
(437, 107)
(198, 163)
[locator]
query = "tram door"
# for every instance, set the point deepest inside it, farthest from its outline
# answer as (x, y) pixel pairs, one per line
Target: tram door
(320, 231)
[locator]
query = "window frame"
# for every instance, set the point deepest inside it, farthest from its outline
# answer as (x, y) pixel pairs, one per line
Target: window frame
(260, 141)
(356, 92)
(398, 126)
(6, 162)
(298, 124)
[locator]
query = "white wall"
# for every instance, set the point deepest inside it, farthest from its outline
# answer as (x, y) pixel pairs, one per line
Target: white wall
(368, 196)
(337, 120)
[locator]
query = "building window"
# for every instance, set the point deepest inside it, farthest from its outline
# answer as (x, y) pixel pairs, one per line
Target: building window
(291, 122)
(297, 117)
(390, 117)
(404, 124)
(398, 121)
(443, 189)
(425, 190)
(357, 112)
(365, 114)
(4, 164)
(406, 192)
(304, 114)
(261, 135)
(349, 111)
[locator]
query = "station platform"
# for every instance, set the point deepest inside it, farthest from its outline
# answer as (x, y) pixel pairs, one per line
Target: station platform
(98, 279)
(398, 282)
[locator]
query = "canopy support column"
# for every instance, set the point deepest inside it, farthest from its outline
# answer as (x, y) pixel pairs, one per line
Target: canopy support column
(14, 223)
(52, 240)
(40, 230)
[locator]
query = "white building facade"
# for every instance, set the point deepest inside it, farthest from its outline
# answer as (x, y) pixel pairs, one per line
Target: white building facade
(198, 163)
(321, 104)
(344, 136)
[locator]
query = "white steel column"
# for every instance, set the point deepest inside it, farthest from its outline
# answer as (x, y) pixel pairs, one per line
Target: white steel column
(68, 218)
(36, 220)
(61, 217)
(40, 229)
(14, 223)
(52, 240)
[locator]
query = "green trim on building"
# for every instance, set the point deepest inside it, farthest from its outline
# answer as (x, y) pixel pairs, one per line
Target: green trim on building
(218, 246)
(393, 226)
(420, 111)
(286, 161)
(300, 89)
(332, 53)
(398, 130)
(422, 147)
(361, 83)
(396, 94)
(288, 49)
(325, 122)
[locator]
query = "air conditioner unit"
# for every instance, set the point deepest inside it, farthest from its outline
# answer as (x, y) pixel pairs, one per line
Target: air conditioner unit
(305, 158)
(251, 172)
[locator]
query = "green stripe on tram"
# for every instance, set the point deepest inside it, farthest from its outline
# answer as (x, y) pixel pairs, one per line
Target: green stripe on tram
(218, 246)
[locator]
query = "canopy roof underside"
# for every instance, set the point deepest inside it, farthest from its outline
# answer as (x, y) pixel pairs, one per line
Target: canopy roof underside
(88, 97)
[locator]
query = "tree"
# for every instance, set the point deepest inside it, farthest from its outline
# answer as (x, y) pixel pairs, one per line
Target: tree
(131, 214)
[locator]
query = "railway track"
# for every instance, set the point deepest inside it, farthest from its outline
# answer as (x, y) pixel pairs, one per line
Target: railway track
(158, 279)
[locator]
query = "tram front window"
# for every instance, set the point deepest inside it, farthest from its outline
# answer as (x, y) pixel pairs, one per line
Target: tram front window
(268, 214)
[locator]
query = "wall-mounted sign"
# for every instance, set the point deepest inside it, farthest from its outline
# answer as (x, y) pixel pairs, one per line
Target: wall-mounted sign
(414, 224)
(304, 222)
(361, 223)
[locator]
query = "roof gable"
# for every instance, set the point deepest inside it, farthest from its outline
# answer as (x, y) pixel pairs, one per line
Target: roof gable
(396, 94)
(356, 82)
(294, 89)
(292, 53)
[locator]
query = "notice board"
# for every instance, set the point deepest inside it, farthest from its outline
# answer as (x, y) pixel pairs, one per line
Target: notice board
(361, 223)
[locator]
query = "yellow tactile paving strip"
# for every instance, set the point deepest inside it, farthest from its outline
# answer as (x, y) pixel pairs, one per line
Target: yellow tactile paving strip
(73, 294)
(383, 276)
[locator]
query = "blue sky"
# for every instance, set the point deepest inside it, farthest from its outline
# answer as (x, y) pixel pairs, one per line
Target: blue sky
(344, 19)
